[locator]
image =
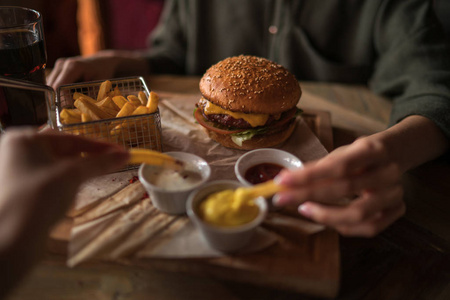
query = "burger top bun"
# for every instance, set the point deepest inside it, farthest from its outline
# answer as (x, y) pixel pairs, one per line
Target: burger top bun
(250, 84)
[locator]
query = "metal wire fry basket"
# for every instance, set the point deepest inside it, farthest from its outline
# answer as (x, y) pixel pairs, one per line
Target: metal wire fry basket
(139, 131)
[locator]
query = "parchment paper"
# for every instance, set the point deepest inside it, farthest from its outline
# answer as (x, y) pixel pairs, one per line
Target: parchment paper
(146, 232)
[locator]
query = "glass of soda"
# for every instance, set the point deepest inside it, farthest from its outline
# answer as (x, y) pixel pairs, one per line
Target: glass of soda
(22, 56)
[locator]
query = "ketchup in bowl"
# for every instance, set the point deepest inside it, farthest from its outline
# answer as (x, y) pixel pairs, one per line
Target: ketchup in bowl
(262, 172)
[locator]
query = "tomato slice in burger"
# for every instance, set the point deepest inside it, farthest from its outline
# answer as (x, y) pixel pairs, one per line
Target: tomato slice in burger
(289, 115)
(208, 125)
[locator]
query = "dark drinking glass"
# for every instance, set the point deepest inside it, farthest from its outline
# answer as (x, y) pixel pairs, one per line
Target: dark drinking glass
(22, 56)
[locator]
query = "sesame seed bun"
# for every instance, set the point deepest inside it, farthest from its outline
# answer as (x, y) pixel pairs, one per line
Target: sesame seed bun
(250, 84)
(259, 88)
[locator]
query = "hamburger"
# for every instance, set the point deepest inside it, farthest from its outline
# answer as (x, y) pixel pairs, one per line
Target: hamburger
(248, 102)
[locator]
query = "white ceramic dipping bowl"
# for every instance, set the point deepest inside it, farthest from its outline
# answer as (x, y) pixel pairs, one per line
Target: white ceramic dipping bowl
(172, 200)
(265, 155)
(224, 239)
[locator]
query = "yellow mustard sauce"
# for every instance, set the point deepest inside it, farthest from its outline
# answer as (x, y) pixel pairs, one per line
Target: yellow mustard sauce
(228, 208)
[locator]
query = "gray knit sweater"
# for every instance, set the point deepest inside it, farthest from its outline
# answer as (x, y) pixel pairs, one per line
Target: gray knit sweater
(396, 47)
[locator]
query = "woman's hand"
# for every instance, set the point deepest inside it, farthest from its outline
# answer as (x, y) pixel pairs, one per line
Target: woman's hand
(103, 65)
(369, 171)
(363, 169)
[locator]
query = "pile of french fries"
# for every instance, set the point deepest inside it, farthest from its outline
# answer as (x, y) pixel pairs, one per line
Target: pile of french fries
(110, 105)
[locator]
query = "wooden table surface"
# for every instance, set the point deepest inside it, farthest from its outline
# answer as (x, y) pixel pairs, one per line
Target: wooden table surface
(409, 260)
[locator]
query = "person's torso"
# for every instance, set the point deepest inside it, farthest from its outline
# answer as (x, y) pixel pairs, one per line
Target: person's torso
(316, 40)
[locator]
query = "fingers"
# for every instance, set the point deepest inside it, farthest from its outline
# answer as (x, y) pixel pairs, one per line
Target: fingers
(50, 80)
(375, 226)
(17, 134)
(67, 70)
(327, 191)
(67, 145)
(354, 159)
(60, 180)
(15, 143)
(365, 216)
(83, 168)
(102, 65)
(55, 73)
(359, 210)
(52, 143)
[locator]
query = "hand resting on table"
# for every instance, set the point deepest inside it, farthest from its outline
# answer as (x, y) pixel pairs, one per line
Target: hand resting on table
(104, 64)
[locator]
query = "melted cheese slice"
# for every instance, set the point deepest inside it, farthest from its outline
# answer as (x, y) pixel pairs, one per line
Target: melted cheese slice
(253, 119)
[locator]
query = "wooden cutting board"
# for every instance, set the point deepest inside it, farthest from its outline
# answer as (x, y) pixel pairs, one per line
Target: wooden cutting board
(298, 262)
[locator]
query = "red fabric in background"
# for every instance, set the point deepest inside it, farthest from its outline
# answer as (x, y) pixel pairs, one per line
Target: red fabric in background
(130, 22)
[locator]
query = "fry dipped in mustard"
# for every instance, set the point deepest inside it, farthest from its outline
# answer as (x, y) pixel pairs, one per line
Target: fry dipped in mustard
(236, 207)
(229, 208)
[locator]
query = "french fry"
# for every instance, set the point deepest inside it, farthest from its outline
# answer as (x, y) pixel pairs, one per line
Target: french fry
(138, 156)
(116, 132)
(70, 116)
(85, 129)
(115, 92)
(108, 103)
(77, 95)
(110, 111)
(92, 110)
(74, 112)
(134, 100)
(119, 101)
(85, 118)
(86, 110)
(140, 110)
(126, 110)
(105, 87)
(108, 106)
(92, 100)
(152, 103)
(143, 98)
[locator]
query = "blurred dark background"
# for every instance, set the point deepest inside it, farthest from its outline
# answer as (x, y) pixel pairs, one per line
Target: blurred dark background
(60, 26)
(442, 8)
(74, 27)
(82, 27)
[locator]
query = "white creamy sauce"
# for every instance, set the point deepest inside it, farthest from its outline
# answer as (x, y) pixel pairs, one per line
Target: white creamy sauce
(173, 181)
